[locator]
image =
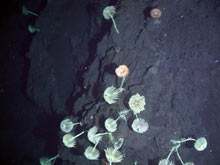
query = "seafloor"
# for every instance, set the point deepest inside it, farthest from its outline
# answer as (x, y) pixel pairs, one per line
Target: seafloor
(63, 70)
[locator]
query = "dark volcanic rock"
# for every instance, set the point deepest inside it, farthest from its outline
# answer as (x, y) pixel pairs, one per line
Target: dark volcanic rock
(63, 70)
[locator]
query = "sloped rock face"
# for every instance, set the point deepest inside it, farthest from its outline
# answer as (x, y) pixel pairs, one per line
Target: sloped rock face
(58, 54)
(173, 63)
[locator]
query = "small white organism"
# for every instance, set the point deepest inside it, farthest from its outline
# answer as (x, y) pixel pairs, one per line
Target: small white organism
(189, 163)
(137, 103)
(111, 125)
(48, 161)
(109, 13)
(95, 137)
(139, 125)
(165, 162)
(123, 114)
(92, 153)
(200, 144)
(113, 155)
(111, 94)
(33, 29)
(92, 135)
(67, 125)
(69, 140)
(25, 11)
(118, 144)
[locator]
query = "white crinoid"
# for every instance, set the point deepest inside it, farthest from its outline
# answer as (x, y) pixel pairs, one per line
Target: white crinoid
(123, 114)
(118, 144)
(45, 161)
(165, 162)
(200, 144)
(69, 140)
(67, 125)
(113, 156)
(91, 153)
(48, 161)
(111, 125)
(189, 163)
(137, 103)
(111, 94)
(171, 163)
(93, 136)
(108, 13)
(139, 125)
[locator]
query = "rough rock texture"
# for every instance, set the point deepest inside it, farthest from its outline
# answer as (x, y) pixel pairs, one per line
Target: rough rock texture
(174, 63)
(57, 55)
